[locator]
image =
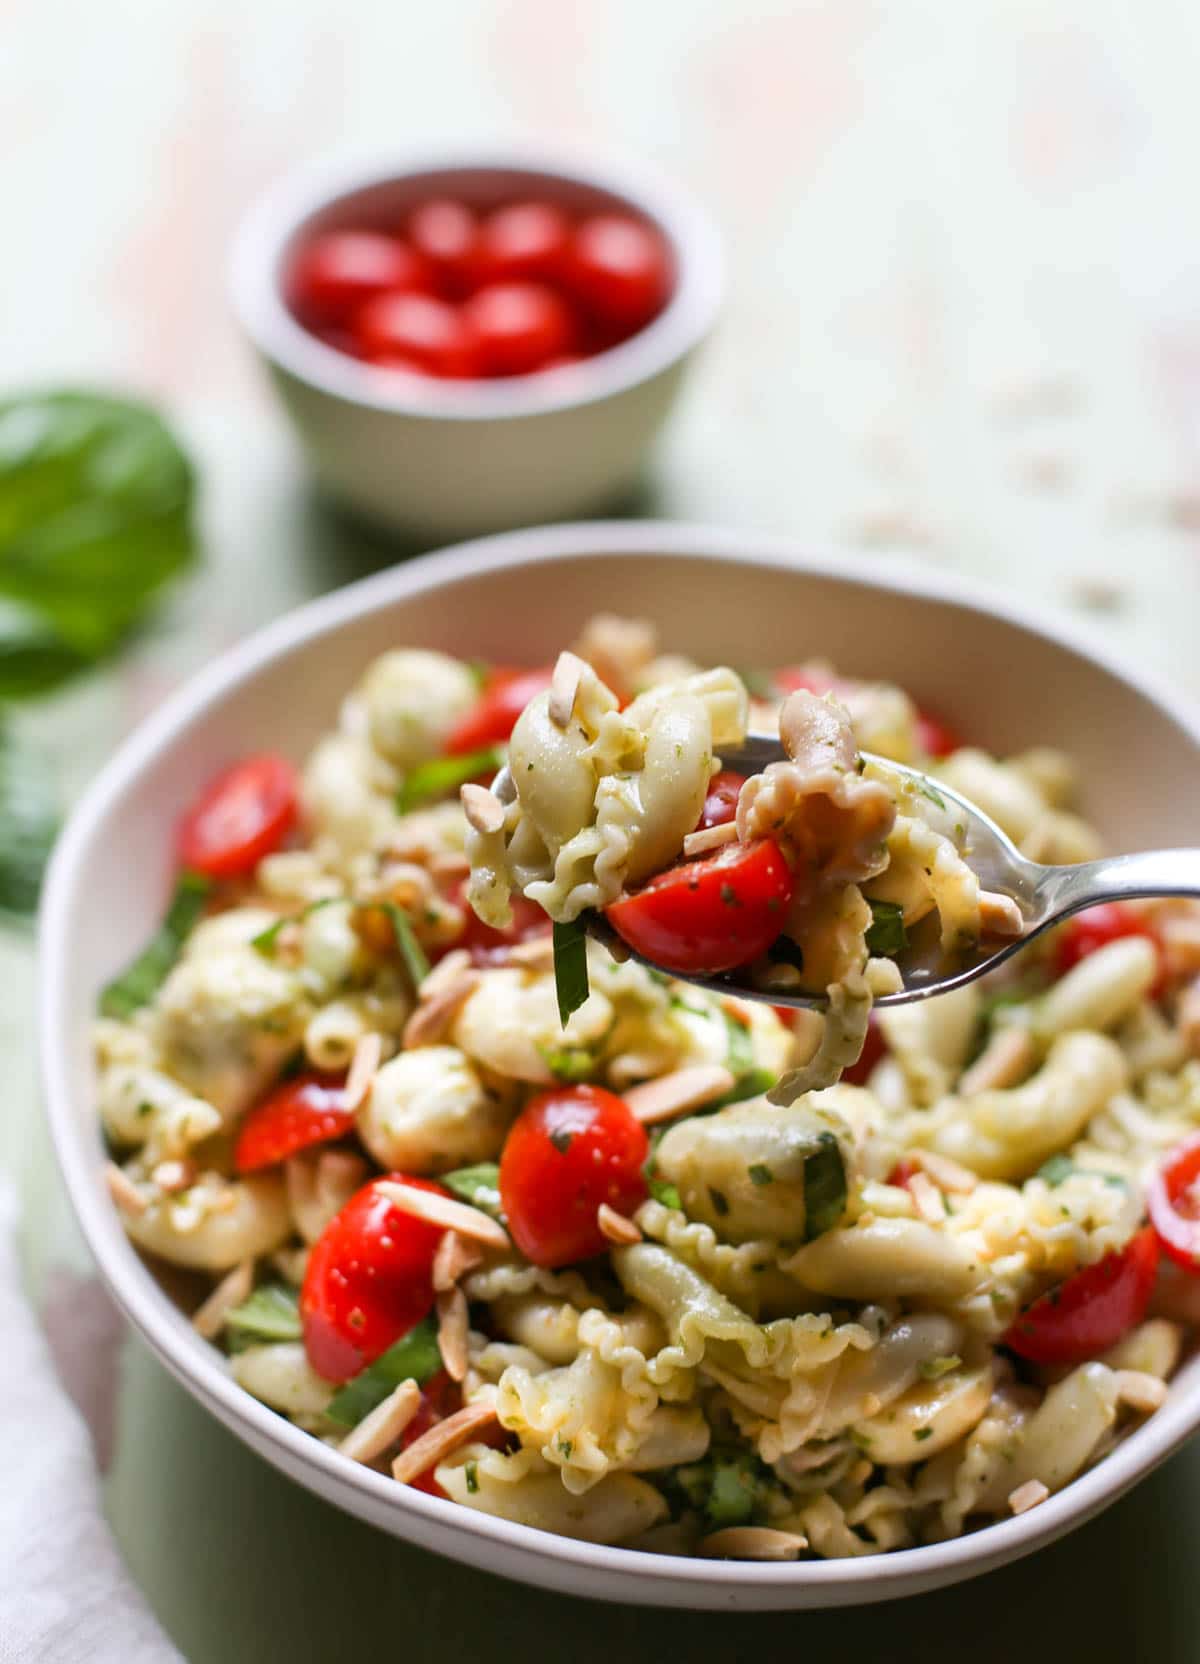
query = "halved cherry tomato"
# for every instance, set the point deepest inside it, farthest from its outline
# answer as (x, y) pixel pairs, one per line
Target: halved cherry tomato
(369, 1280)
(518, 327)
(418, 332)
(492, 720)
(309, 1109)
(523, 240)
(935, 737)
(568, 1151)
(903, 1171)
(874, 1048)
(490, 947)
(242, 815)
(709, 915)
(335, 273)
(620, 268)
(720, 806)
(1095, 928)
(441, 1397)
(445, 233)
(1092, 1309)
(1173, 1203)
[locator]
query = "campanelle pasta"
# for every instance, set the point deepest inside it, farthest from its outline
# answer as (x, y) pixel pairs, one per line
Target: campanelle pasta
(656, 1269)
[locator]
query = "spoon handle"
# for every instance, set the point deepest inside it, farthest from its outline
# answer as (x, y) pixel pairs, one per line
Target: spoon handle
(1153, 872)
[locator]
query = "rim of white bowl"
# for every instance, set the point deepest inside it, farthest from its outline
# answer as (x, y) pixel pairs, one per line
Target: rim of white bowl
(660, 1579)
(274, 218)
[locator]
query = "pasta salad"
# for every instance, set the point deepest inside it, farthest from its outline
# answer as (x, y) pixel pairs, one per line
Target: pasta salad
(602, 1252)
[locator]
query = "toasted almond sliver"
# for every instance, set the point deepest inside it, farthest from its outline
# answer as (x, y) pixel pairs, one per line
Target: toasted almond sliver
(173, 1176)
(871, 1405)
(928, 1199)
(452, 1331)
(946, 1174)
(535, 955)
(445, 1211)
(429, 1022)
(751, 1542)
(450, 864)
(674, 1094)
(455, 1256)
(616, 1227)
(364, 1066)
(483, 809)
(1007, 1058)
(384, 1425)
(999, 915)
(442, 1438)
(1027, 1496)
(712, 837)
(1140, 1390)
(209, 1319)
(123, 1191)
(564, 688)
(444, 973)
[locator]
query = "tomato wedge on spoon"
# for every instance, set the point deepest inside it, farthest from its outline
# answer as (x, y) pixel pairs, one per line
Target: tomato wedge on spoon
(1092, 1309)
(307, 1110)
(709, 915)
(1173, 1203)
(242, 815)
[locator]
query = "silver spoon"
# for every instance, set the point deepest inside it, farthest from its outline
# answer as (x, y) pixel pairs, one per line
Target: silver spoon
(1045, 895)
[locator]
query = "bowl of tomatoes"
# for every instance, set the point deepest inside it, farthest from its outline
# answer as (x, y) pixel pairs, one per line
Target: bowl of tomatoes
(466, 343)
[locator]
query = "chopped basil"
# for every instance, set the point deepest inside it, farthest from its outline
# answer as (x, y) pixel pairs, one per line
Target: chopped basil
(667, 1194)
(271, 1313)
(934, 1368)
(566, 1446)
(927, 789)
(266, 939)
(479, 1185)
(569, 1063)
(760, 1173)
(138, 983)
(444, 775)
(749, 1080)
(472, 1475)
(824, 1187)
(1054, 1171)
(923, 1433)
(887, 935)
(728, 1487)
(570, 967)
(561, 1140)
(719, 1200)
(416, 1356)
(411, 950)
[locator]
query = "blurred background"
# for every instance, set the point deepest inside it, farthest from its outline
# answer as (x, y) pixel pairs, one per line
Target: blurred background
(963, 325)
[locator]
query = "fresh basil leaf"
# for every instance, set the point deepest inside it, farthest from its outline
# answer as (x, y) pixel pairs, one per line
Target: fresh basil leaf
(28, 824)
(728, 1487)
(760, 1173)
(411, 951)
(444, 775)
(568, 1063)
(271, 1313)
(667, 1194)
(570, 967)
(265, 941)
(932, 1369)
(825, 1187)
(139, 982)
(749, 1079)
(1055, 1170)
(479, 1185)
(415, 1356)
(887, 936)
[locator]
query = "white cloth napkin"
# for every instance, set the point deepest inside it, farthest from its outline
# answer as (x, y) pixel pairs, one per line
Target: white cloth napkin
(65, 1594)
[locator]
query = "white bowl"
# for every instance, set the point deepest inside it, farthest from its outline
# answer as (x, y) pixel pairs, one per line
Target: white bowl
(1005, 678)
(454, 458)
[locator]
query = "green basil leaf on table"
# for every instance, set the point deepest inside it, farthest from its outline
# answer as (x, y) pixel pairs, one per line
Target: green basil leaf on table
(28, 824)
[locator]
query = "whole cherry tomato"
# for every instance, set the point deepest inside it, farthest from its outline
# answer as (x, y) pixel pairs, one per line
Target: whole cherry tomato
(709, 915)
(490, 947)
(620, 268)
(1092, 1309)
(570, 1150)
(720, 806)
(445, 233)
(309, 1109)
(491, 721)
(419, 332)
(1173, 1203)
(246, 812)
(369, 1280)
(332, 276)
(522, 240)
(519, 327)
(1095, 928)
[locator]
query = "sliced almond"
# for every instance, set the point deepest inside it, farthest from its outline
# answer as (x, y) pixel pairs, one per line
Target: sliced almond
(483, 809)
(455, 1256)
(616, 1227)
(1006, 1059)
(452, 1331)
(364, 1066)
(928, 1199)
(235, 1287)
(442, 1438)
(173, 1176)
(999, 915)
(444, 973)
(676, 1093)
(1027, 1496)
(535, 955)
(564, 688)
(451, 864)
(428, 1024)
(446, 1212)
(946, 1174)
(751, 1542)
(712, 837)
(123, 1191)
(1141, 1391)
(384, 1425)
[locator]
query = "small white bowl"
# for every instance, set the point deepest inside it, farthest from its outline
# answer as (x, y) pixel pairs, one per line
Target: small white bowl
(1005, 677)
(453, 458)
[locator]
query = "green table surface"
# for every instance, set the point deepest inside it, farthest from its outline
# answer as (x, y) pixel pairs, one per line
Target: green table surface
(963, 324)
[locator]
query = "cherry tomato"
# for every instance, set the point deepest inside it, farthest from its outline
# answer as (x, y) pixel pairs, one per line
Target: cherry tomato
(568, 1151)
(519, 327)
(620, 268)
(242, 815)
(903, 1171)
(369, 1280)
(523, 240)
(1173, 1203)
(418, 331)
(440, 1397)
(874, 1048)
(306, 1110)
(490, 722)
(1095, 928)
(1092, 1309)
(795, 678)
(935, 737)
(720, 806)
(335, 273)
(490, 947)
(708, 915)
(445, 234)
